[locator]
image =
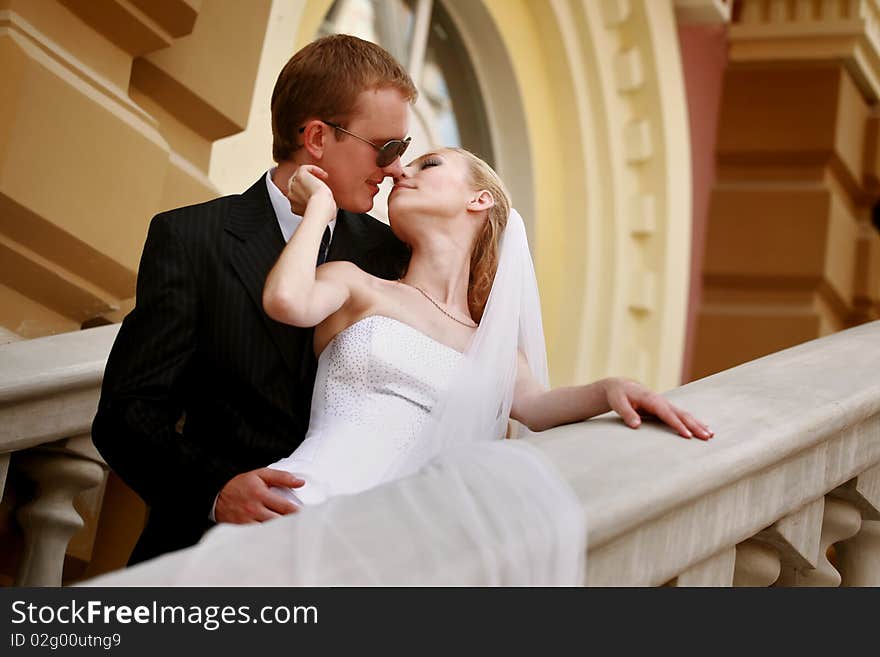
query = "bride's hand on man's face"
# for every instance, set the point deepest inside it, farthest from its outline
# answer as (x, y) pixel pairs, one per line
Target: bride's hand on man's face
(308, 183)
(627, 398)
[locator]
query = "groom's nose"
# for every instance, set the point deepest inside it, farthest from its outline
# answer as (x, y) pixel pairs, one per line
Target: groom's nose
(395, 169)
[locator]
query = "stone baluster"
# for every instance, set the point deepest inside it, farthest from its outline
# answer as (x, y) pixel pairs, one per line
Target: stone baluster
(858, 559)
(841, 520)
(797, 539)
(60, 470)
(757, 564)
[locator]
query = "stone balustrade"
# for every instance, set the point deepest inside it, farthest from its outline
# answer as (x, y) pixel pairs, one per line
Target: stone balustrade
(786, 493)
(793, 470)
(49, 389)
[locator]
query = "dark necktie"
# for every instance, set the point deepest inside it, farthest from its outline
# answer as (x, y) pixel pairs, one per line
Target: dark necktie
(325, 246)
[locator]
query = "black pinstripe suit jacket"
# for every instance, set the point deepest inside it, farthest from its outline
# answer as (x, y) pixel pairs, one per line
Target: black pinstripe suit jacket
(199, 346)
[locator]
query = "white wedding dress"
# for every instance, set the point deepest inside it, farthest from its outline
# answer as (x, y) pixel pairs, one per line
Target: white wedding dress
(376, 384)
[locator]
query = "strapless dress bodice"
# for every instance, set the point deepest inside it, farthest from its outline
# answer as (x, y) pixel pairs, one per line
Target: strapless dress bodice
(376, 384)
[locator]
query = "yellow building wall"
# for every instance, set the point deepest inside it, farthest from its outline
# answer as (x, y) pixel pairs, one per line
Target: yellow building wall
(607, 125)
(109, 117)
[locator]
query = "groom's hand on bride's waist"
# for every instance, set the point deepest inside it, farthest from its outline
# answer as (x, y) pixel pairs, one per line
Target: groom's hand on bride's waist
(246, 497)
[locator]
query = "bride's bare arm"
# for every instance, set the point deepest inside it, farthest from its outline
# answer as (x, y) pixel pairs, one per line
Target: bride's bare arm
(541, 409)
(295, 291)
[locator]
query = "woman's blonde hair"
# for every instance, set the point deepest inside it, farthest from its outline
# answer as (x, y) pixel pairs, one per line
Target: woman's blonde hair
(484, 255)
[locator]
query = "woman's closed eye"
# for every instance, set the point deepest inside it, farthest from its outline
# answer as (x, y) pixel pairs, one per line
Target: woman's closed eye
(429, 162)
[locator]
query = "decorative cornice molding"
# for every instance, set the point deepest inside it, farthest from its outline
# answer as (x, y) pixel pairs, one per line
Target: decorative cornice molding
(646, 115)
(76, 73)
(843, 30)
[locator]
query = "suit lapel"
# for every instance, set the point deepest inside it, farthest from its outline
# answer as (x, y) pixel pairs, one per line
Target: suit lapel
(342, 244)
(259, 243)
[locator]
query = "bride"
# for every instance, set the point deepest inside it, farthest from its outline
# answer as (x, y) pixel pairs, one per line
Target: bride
(445, 355)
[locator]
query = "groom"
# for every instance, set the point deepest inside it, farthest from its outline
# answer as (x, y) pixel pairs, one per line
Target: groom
(202, 389)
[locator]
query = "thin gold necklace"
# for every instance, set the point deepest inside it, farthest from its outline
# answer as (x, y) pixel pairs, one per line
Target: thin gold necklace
(437, 305)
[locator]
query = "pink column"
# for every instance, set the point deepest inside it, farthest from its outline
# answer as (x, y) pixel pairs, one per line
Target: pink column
(704, 58)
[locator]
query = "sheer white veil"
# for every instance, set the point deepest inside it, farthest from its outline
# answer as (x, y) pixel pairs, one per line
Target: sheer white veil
(477, 404)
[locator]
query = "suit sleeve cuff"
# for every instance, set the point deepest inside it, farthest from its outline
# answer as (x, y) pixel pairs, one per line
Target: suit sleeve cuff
(213, 507)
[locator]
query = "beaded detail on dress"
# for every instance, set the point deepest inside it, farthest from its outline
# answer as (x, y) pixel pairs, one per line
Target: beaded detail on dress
(376, 384)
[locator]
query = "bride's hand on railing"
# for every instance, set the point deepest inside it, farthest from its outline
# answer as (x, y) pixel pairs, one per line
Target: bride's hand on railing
(629, 398)
(540, 409)
(306, 186)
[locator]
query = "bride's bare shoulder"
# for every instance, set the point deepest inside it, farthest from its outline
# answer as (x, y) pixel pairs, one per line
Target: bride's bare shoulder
(368, 296)
(349, 273)
(341, 269)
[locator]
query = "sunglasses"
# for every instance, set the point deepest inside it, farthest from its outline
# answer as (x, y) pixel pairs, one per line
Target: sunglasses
(386, 154)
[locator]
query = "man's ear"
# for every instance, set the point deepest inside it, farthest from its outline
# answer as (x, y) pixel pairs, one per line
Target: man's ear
(315, 132)
(482, 200)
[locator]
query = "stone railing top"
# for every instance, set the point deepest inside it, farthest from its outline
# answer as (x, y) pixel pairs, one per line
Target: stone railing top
(630, 483)
(43, 366)
(762, 412)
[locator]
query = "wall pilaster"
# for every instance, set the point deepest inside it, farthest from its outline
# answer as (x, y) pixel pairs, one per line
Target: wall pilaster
(791, 254)
(110, 111)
